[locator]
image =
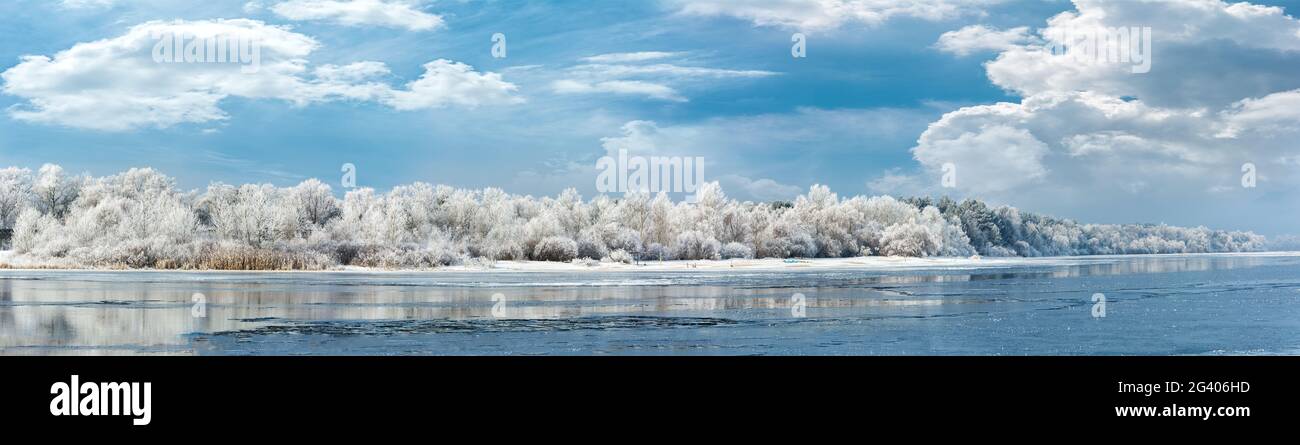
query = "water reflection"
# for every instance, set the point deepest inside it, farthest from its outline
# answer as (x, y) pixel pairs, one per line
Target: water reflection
(51, 312)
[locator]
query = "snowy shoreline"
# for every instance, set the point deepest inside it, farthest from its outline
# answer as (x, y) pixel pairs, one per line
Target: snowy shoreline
(872, 263)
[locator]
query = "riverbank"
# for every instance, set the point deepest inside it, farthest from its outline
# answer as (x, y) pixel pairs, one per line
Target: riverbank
(10, 261)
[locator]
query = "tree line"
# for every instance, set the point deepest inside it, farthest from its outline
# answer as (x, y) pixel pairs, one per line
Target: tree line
(139, 219)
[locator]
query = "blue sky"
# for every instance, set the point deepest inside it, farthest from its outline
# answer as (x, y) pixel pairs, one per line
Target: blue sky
(850, 115)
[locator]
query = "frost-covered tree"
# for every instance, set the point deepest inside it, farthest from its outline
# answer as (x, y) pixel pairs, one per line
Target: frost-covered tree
(135, 218)
(252, 214)
(314, 203)
(54, 191)
(35, 233)
(15, 193)
(139, 219)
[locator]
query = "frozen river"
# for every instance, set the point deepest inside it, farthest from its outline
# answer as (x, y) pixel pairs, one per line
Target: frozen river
(1154, 305)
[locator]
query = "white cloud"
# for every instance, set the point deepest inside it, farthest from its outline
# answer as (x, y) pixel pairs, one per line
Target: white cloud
(624, 87)
(759, 147)
(647, 138)
(1088, 141)
(895, 182)
(386, 13)
(619, 73)
(1094, 140)
(355, 72)
(832, 146)
(630, 57)
(762, 189)
(81, 4)
(1275, 112)
(115, 84)
(810, 15)
(1197, 47)
(447, 83)
(975, 38)
(993, 159)
(639, 138)
(661, 70)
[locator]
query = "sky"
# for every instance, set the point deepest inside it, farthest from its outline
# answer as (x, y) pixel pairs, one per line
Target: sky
(890, 98)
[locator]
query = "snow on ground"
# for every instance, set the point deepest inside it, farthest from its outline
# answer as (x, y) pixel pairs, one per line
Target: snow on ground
(18, 262)
(774, 264)
(11, 260)
(738, 264)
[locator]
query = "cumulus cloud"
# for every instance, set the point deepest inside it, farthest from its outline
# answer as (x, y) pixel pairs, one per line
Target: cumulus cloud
(992, 159)
(1077, 139)
(385, 13)
(1277, 112)
(447, 83)
(1197, 46)
(1090, 141)
(812, 15)
(116, 84)
(975, 38)
(638, 137)
(622, 74)
(1221, 92)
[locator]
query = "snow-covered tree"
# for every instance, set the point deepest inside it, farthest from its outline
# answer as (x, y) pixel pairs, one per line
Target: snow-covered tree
(54, 191)
(37, 233)
(139, 219)
(15, 193)
(252, 214)
(314, 203)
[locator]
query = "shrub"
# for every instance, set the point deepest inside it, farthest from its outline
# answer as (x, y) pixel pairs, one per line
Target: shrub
(620, 256)
(624, 239)
(656, 252)
(556, 248)
(695, 245)
(591, 246)
(736, 250)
